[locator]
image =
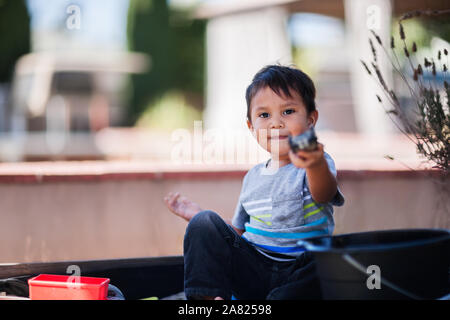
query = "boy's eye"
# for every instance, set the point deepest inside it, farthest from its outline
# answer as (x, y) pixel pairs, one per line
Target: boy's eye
(264, 115)
(289, 111)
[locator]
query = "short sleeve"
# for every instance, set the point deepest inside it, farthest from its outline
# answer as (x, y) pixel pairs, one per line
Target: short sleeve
(240, 217)
(331, 165)
(338, 199)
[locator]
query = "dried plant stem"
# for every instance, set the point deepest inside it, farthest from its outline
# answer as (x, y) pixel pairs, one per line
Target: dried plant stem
(411, 90)
(429, 129)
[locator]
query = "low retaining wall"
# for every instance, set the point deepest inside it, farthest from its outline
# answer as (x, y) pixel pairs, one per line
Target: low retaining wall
(107, 214)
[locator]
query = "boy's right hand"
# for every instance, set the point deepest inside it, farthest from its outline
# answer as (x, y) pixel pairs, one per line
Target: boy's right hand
(181, 206)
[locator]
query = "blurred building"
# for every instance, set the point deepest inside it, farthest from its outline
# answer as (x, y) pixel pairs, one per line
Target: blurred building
(86, 84)
(243, 36)
(72, 83)
(56, 95)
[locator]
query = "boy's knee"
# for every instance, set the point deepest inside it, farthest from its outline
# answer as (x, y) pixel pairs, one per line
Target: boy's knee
(202, 227)
(204, 219)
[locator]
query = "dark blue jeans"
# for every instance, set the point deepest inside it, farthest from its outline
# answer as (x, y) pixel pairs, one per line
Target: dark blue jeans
(218, 262)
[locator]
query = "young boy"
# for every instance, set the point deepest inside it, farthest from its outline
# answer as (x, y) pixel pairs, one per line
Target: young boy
(283, 200)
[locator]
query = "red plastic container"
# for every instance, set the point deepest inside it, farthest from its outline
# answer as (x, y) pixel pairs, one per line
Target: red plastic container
(58, 287)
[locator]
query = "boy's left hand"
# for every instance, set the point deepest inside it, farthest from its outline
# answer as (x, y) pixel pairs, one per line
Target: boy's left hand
(308, 159)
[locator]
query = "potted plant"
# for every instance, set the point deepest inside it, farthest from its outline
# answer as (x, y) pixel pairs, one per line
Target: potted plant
(404, 263)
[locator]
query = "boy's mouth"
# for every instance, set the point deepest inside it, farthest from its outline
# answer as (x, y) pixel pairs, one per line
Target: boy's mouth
(278, 137)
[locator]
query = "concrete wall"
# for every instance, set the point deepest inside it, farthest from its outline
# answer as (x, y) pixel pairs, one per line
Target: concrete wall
(81, 218)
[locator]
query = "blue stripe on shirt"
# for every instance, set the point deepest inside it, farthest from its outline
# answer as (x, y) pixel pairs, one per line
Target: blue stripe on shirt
(280, 249)
(286, 235)
(317, 222)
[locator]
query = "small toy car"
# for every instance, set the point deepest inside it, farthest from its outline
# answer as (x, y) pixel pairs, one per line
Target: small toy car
(307, 141)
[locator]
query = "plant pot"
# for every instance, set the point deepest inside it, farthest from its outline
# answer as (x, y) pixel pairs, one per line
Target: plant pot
(388, 264)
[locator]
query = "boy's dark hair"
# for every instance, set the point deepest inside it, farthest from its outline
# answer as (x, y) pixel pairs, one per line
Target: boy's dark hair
(283, 78)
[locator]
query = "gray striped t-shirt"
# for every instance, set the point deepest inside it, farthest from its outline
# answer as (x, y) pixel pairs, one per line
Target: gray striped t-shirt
(276, 209)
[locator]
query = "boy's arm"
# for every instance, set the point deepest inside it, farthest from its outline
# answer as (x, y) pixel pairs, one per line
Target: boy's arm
(238, 231)
(322, 183)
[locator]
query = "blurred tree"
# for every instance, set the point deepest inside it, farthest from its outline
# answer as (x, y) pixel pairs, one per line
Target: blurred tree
(421, 30)
(15, 35)
(439, 26)
(148, 32)
(189, 37)
(176, 47)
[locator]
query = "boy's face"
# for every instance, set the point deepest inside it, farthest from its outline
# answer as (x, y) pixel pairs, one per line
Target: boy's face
(274, 117)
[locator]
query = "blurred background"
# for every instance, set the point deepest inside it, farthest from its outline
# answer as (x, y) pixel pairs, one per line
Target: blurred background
(102, 104)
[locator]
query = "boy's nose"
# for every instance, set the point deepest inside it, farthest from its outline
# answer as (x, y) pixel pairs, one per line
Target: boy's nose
(276, 124)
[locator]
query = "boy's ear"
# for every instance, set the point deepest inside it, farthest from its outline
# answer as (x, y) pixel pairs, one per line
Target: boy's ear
(312, 118)
(249, 124)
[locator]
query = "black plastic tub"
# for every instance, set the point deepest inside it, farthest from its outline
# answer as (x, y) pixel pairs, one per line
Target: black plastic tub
(409, 264)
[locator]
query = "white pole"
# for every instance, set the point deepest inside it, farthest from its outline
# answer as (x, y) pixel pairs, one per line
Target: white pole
(361, 16)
